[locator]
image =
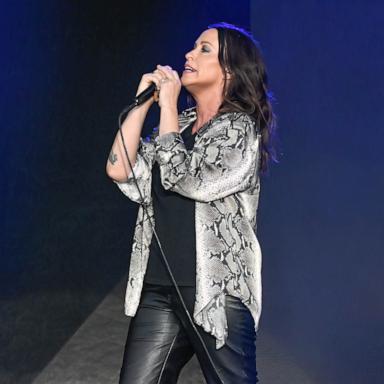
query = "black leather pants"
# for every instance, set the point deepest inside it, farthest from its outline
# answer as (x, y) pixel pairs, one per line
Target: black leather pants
(161, 341)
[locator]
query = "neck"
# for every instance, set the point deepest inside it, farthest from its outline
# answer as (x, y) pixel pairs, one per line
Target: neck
(207, 106)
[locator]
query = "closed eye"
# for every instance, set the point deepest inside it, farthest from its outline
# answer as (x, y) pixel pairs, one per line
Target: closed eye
(204, 48)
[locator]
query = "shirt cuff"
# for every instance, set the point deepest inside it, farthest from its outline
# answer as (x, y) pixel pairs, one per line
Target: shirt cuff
(168, 140)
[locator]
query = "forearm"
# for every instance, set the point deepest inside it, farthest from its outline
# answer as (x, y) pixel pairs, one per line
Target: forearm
(168, 120)
(223, 161)
(117, 165)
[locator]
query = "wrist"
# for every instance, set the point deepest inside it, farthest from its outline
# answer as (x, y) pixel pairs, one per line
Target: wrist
(168, 119)
(141, 110)
(169, 109)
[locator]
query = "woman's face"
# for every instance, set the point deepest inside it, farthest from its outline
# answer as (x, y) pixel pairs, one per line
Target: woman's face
(202, 67)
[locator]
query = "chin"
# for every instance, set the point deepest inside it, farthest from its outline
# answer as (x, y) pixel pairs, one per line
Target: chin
(185, 81)
(188, 85)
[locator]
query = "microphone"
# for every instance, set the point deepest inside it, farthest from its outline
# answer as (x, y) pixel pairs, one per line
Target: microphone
(145, 95)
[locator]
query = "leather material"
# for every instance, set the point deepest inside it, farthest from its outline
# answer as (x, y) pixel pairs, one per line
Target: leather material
(161, 341)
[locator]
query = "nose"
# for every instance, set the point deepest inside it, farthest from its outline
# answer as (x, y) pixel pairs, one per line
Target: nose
(189, 55)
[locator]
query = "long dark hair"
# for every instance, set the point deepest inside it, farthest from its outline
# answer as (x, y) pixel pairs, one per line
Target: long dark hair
(246, 90)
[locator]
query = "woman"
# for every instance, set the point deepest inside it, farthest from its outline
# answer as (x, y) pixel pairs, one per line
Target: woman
(199, 181)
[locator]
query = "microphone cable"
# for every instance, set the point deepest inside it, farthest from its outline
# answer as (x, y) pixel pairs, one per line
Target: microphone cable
(137, 101)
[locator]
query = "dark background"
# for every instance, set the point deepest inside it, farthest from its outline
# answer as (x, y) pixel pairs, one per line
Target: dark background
(68, 68)
(321, 226)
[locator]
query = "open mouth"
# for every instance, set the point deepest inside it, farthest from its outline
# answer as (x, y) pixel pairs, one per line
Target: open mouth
(189, 69)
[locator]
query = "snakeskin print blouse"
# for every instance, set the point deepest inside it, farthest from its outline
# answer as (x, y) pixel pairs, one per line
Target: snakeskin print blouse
(221, 174)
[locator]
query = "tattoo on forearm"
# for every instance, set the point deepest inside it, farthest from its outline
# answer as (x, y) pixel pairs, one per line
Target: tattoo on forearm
(112, 157)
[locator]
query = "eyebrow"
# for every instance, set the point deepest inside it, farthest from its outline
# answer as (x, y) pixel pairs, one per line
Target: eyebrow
(204, 42)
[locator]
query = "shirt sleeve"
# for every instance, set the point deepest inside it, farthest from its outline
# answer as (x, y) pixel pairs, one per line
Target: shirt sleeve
(143, 172)
(223, 161)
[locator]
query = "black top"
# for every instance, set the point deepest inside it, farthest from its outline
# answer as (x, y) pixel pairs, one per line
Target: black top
(175, 226)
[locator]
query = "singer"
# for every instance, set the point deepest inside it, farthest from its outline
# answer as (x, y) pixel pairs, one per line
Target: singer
(199, 177)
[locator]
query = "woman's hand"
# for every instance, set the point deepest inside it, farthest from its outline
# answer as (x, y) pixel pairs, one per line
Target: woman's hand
(169, 93)
(146, 80)
(167, 83)
(170, 86)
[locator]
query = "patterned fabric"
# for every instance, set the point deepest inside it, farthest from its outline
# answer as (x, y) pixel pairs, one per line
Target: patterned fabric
(221, 175)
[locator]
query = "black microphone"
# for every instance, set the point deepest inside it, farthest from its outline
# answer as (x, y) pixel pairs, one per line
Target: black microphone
(145, 95)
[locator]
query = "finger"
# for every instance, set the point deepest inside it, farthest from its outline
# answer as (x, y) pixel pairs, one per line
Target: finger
(158, 72)
(175, 75)
(163, 70)
(151, 78)
(159, 76)
(156, 95)
(156, 78)
(168, 71)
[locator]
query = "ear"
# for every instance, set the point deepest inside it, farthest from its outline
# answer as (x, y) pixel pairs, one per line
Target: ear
(228, 74)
